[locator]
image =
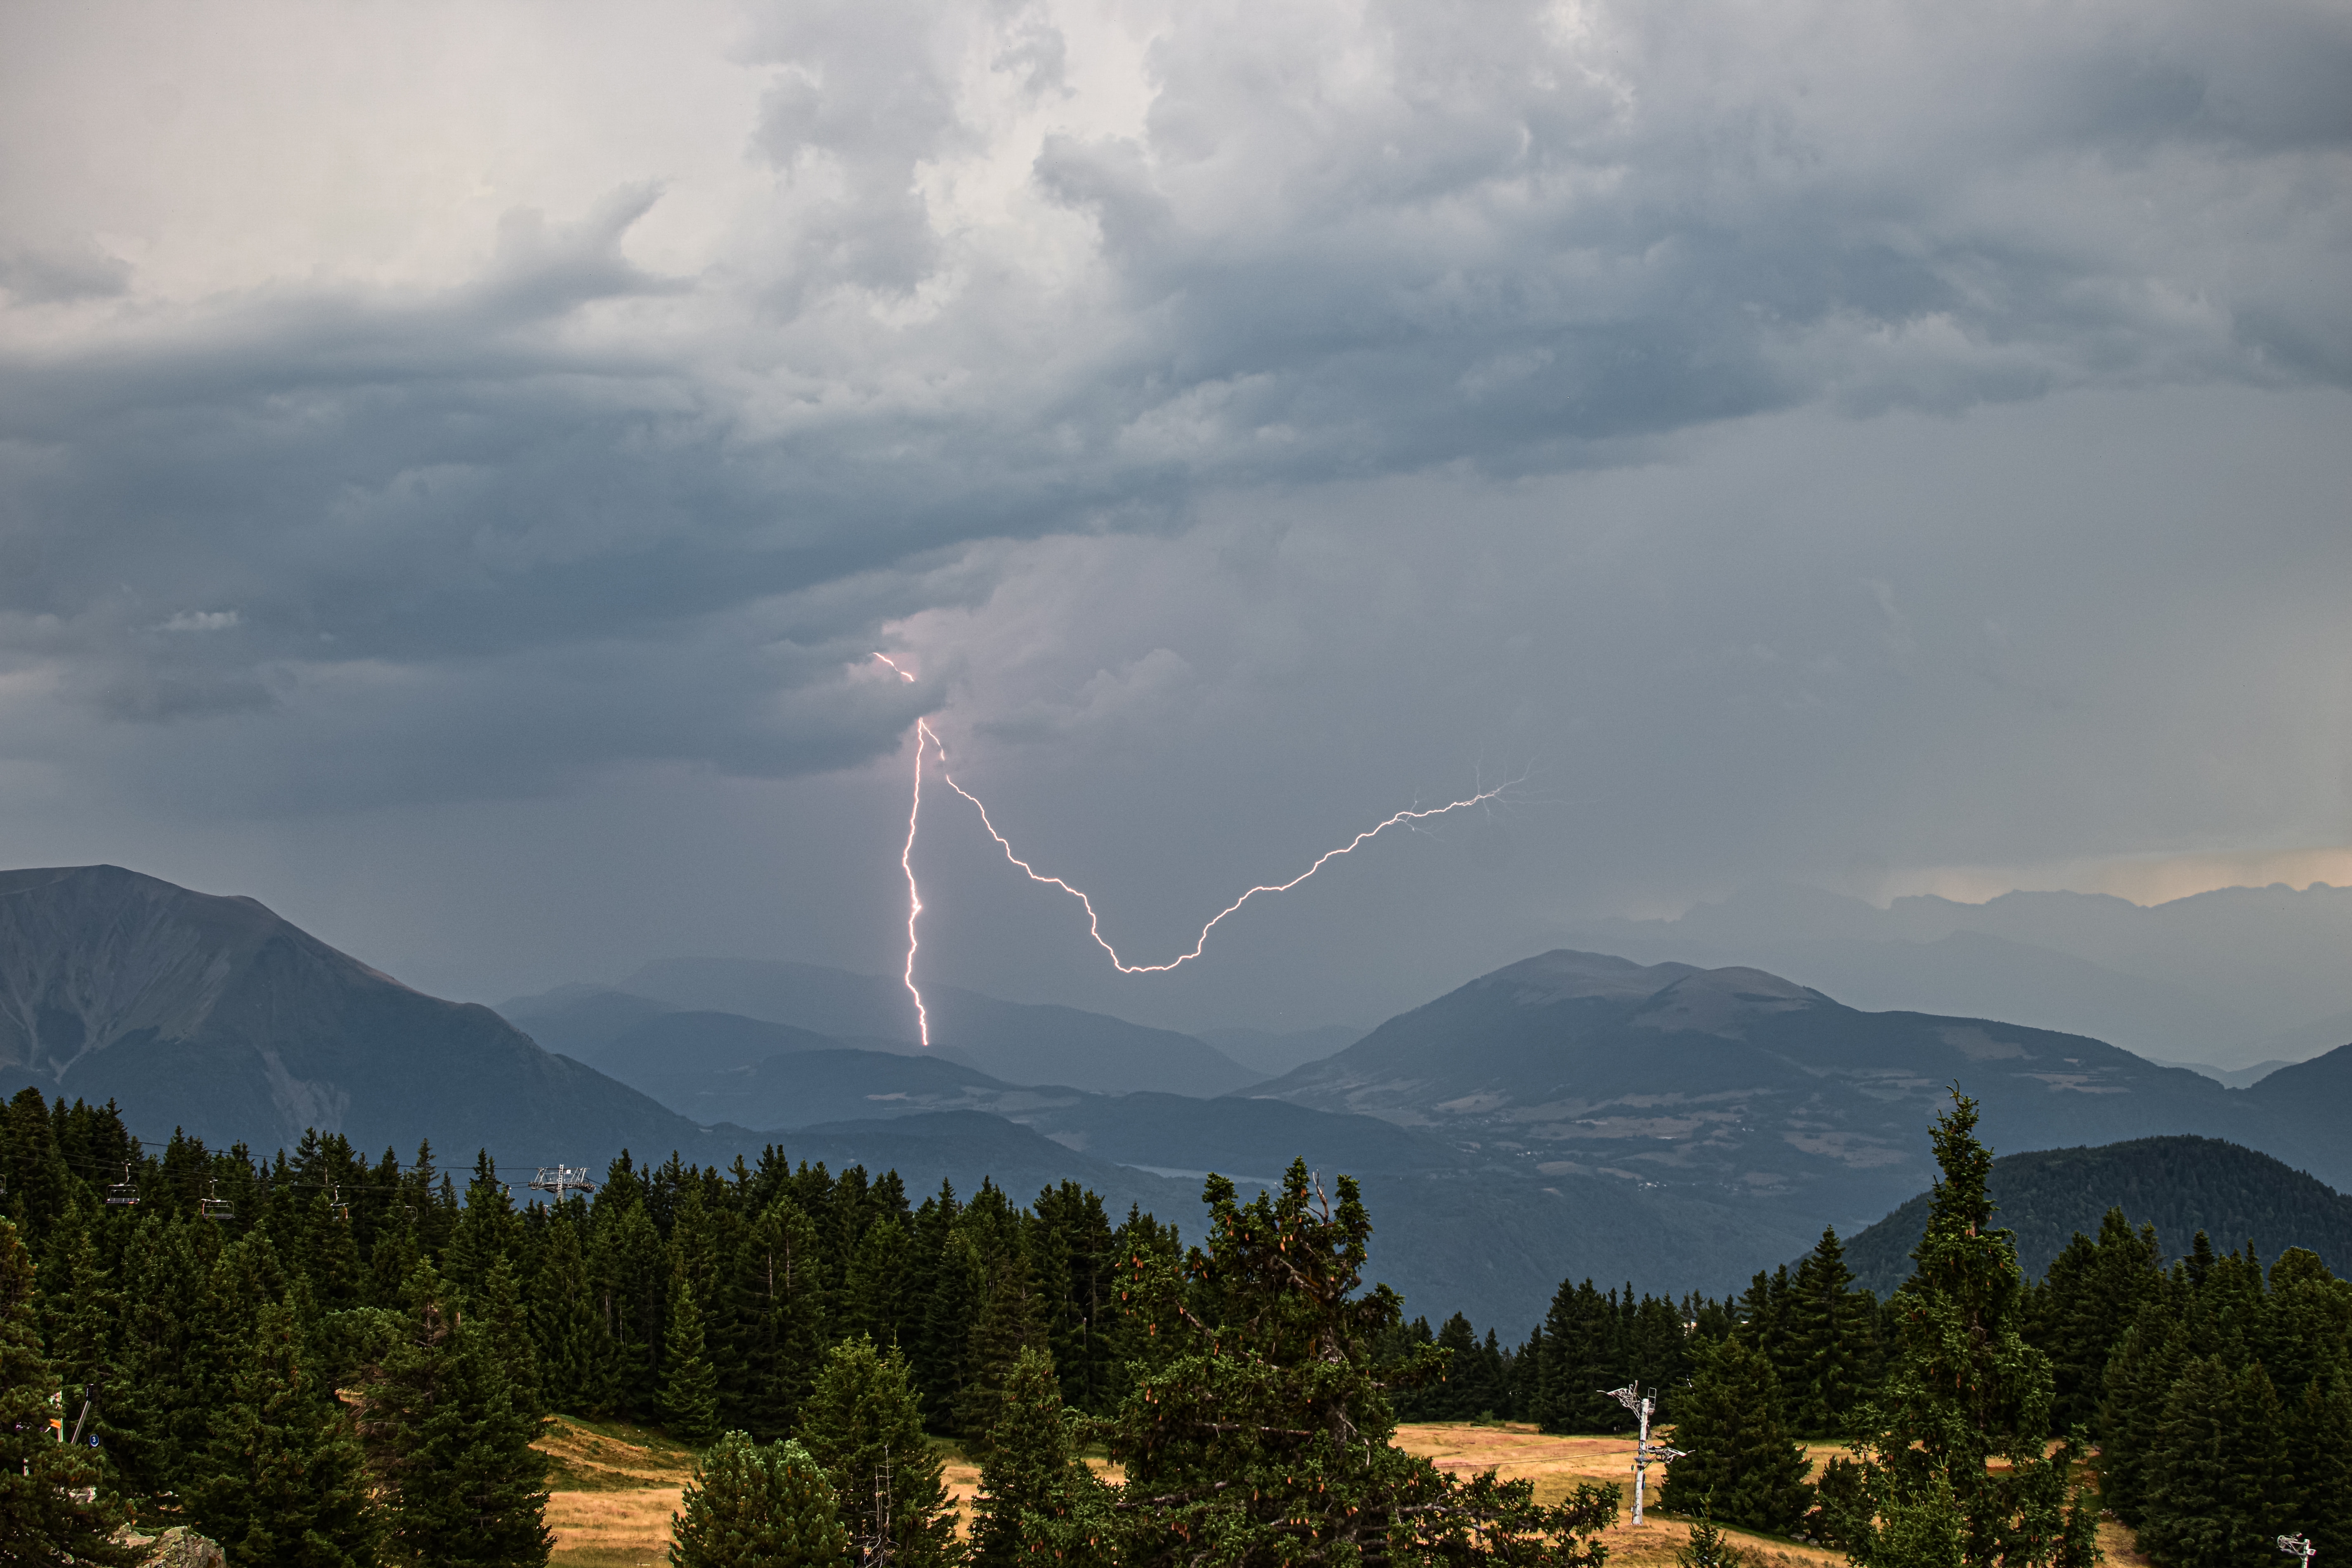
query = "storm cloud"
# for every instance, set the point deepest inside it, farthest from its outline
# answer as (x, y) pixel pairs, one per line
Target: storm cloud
(1753, 420)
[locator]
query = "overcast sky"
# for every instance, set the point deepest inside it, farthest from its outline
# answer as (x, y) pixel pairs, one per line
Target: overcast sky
(455, 462)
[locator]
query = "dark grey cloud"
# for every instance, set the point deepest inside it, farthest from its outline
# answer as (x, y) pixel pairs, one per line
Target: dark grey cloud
(1288, 335)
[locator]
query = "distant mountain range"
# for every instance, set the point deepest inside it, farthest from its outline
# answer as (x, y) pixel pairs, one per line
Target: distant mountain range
(1020, 1043)
(1577, 1113)
(2180, 1185)
(2231, 978)
(1736, 1085)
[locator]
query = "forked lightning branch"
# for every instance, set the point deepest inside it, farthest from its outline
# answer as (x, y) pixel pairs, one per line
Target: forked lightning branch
(927, 743)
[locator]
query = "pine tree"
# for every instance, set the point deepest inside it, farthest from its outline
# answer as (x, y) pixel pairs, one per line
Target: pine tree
(754, 1507)
(1038, 1499)
(861, 1416)
(284, 1484)
(1967, 1389)
(43, 1482)
(1255, 1431)
(689, 1397)
(1739, 1462)
(462, 1485)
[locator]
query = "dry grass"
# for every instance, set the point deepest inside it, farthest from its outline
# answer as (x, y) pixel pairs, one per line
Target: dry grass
(613, 1488)
(1516, 1451)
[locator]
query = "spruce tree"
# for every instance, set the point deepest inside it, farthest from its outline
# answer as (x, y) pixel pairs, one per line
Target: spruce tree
(1831, 1358)
(563, 1316)
(150, 1407)
(283, 1483)
(2139, 1378)
(2320, 1439)
(1037, 1497)
(462, 1485)
(1009, 1322)
(754, 1507)
(689, 1396)
(49, 1512)
(2088, 1299)
(780, 1298)
(1966, 1390)
(861, 1416)
(2221, 1477)
(1739, 1463)
(507, 1322)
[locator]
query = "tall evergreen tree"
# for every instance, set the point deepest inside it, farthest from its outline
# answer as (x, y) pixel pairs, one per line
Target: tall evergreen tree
(690, 1398)
(2320, 1440)
(2220, 1481)
(1739, 1463)
(1038, 1499)
(2088, 1299)
(462, 1485)
(283, 1483)
(49, 1512)
(861, 1416)
(563, 1316)
(1830, 1363)
(2139, 1377)
(778, 1304)
(1966, 1390)
(749, 1505)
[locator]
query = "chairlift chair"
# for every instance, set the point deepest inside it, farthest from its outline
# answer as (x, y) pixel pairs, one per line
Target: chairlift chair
(124, 1193)
(216, 1206)
(335, 1205)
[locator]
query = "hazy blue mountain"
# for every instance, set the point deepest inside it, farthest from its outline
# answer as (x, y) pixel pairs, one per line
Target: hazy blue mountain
(803, 1087)
(2230, 977)
(580, 1020)
(1018, 1042)
(214, 1014)
(1273, 1054)
(1734, 1081)
(2180, 1185)
(2231, 1078)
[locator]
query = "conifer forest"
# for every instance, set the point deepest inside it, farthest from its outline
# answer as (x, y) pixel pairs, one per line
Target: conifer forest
(321, 1359)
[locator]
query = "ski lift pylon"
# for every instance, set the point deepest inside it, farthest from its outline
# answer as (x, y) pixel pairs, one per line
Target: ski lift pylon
(561, 1179)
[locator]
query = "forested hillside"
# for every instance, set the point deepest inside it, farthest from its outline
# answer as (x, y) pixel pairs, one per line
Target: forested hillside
(2180, 1185)
(321, 1359)
(318, 1358)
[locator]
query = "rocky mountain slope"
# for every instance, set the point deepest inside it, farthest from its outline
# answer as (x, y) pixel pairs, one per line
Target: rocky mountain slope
(214, 1014)
(1740, 1086)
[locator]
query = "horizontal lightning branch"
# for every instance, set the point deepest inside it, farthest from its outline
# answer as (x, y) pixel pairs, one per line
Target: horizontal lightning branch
(927, 738)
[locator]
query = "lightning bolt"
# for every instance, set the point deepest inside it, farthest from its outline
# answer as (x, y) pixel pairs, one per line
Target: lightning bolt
(927, 740)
